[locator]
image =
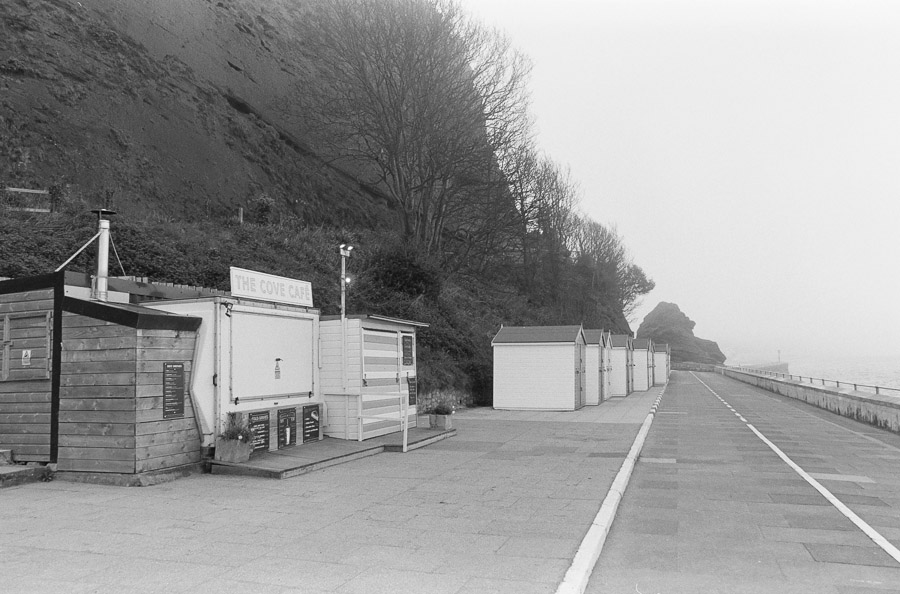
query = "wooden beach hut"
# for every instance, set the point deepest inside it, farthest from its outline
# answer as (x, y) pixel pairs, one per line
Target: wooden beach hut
(96, 387)
(539, 368)
(373, 387)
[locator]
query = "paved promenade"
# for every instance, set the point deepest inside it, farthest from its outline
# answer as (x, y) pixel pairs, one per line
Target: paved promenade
(501, 507)
(712, 508)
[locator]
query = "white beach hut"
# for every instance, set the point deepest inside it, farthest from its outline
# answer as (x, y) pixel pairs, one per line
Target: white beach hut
(539, 368)
(593, 374)
(605, 367)
(643, 362)
(620, 362)
(661, 364)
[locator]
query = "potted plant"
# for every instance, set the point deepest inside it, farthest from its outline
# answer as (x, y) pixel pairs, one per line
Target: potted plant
(439, 416)
(235, 443)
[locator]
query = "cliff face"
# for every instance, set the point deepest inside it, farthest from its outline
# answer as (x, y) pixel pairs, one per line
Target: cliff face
(667, 324)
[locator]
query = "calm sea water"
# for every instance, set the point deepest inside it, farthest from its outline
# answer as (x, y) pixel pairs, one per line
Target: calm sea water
(876, 371)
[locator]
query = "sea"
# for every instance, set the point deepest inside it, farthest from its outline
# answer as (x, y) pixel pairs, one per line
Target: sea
(875, 371)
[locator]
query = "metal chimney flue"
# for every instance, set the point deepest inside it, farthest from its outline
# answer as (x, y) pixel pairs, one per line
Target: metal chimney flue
(101, 281)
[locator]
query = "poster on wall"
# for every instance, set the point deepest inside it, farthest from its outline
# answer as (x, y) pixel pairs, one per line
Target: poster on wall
(287, 427)
(173, 390)
(259, 427)
(310, 423)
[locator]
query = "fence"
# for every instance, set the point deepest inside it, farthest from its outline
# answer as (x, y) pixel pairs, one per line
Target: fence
(820, 381)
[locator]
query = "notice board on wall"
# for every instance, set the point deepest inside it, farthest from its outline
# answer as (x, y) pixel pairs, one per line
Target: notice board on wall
(173, 390)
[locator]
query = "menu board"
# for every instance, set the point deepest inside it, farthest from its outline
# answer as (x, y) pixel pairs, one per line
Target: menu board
(407, 350)
(259, 427)
(287, 427)
(310, 423)
(411, 380)
(173, 390)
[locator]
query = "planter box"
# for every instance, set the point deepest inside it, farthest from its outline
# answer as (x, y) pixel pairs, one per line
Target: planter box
(440, 421)
(233, 450)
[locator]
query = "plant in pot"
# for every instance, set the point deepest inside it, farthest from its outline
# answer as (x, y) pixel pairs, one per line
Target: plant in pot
(439, 416)
(235, 442)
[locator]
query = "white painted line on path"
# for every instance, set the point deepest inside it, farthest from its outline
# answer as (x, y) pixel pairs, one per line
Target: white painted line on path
(881, 541)
(579, 573)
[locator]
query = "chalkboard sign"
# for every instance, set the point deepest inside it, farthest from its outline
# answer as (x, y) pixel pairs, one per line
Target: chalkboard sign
(259, 427)
(173, 390)
(411, 380)
(287, 427)
(310, 423)
(407, 350)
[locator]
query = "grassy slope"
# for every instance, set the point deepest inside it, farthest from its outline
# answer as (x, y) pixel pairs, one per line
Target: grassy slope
(184, 113)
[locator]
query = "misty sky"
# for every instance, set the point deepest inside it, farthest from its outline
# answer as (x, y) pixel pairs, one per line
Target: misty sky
(748, 151)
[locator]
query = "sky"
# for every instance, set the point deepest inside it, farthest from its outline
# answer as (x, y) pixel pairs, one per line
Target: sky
(748, 152)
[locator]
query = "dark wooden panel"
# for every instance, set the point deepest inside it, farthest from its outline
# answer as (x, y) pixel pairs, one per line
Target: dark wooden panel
(76, 392)
(9, 431)
(104, 355)
(97, 404)
(99, 380)
(168, 461)
(25, 418)
(166, 450)
(23, 397)
(170, 425)
(95, 344)
(96, 429)
(15, 307)
(116, 466)
(154, 439)
(95, 368)
(7, 408)
(173, 354)
(111, 417)
(70, 453)
(97, 441)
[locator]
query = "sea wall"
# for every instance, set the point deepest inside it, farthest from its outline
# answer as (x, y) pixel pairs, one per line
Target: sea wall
(881, 411)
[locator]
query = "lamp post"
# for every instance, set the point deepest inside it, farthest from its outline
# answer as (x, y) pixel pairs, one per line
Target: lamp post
(345, 250)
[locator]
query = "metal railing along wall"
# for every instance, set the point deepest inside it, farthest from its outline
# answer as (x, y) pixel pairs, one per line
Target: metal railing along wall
(818, 381)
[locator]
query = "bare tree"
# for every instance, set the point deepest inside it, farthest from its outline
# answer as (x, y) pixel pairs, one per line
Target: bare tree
(419, 98)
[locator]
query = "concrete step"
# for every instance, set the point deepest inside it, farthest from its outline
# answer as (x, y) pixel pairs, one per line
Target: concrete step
(12, 475)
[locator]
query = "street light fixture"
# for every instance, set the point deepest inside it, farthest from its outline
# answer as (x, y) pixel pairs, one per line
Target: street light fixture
(345, 250)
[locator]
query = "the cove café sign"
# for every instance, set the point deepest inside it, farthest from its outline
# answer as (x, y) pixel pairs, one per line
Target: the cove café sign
(268, 287)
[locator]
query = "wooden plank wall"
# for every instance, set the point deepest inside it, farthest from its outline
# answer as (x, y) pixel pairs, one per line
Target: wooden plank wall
(97, 396)
(163, 443)
(25, 391)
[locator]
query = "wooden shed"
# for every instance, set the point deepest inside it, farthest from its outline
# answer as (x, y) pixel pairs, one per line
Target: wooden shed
(368, 375)
(539, 368)
(643, 364)
(620, 362)
(661, 364)
(95, 387)
(596, 375)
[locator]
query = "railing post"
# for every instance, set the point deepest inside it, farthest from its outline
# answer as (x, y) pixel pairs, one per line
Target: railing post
(877, 392)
